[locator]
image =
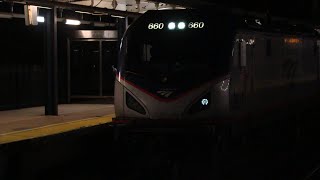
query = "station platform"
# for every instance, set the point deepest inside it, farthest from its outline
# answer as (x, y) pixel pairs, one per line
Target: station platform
(29, 123)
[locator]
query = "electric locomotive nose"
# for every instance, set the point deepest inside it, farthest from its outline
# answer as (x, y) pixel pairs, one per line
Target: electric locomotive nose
(175, 64)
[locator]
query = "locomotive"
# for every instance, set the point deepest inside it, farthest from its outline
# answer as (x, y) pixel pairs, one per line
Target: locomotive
(192, 66)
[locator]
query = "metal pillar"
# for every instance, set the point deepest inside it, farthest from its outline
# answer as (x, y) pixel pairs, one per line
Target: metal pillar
(69, 70)
(122, 25)
(51, 107)
(100, 70)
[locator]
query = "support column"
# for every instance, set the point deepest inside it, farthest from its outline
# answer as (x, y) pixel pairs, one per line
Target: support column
(51, 107)
(122, 24)
(100, 70)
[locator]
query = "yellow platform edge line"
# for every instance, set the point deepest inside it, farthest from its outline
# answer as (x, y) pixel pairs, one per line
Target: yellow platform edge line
(53, 129)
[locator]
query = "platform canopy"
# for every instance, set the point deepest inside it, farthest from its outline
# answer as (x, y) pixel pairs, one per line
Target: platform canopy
(107, 7)
(140, 6)
(308, 10)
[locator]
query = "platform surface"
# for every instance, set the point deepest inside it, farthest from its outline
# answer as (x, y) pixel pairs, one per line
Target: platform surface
(28, 123)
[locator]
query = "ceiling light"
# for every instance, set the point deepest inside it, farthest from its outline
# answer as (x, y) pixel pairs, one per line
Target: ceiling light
(73, 22)
(40, 19)
(118, 16)
(43, 7)
(82, 12)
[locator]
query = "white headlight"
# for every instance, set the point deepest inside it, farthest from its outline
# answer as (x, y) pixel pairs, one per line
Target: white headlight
(181, 25)
(172, 25)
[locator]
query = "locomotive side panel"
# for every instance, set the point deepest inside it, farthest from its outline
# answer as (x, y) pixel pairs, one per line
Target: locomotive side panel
(279, 75)
(269, 89)
(303, 72)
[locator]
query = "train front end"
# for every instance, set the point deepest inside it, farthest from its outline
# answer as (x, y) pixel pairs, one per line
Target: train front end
(174, 66)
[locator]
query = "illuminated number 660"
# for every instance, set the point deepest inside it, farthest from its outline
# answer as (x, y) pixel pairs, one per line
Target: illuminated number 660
(156, 26)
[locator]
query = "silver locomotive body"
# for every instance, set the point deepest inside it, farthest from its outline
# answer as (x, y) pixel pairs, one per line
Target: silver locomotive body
(220, 69)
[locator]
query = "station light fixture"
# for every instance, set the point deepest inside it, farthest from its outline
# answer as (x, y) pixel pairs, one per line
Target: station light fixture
(172, 26)
(40, 19)
(117, 16)
(83, 12)
(182, 25)
(73, 22)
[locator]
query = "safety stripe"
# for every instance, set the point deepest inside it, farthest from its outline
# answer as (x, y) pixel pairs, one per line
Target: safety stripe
(53, 129)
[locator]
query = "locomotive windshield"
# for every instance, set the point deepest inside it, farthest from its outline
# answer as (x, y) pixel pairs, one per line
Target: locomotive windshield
(177, 47)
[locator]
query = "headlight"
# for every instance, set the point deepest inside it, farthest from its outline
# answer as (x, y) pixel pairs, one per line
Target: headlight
(133, 104)
(201, 104)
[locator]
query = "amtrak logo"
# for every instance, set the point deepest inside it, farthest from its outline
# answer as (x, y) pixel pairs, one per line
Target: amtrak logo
(165, 93)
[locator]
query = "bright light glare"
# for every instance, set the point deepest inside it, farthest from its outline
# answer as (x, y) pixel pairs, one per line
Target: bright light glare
(40, 19)
(181, 25)
(72, 22)
(172, 25)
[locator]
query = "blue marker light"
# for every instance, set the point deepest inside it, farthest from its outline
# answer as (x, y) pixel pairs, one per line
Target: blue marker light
(204, 102)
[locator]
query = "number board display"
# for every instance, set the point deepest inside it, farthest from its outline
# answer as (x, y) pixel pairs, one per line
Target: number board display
(176, 25)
